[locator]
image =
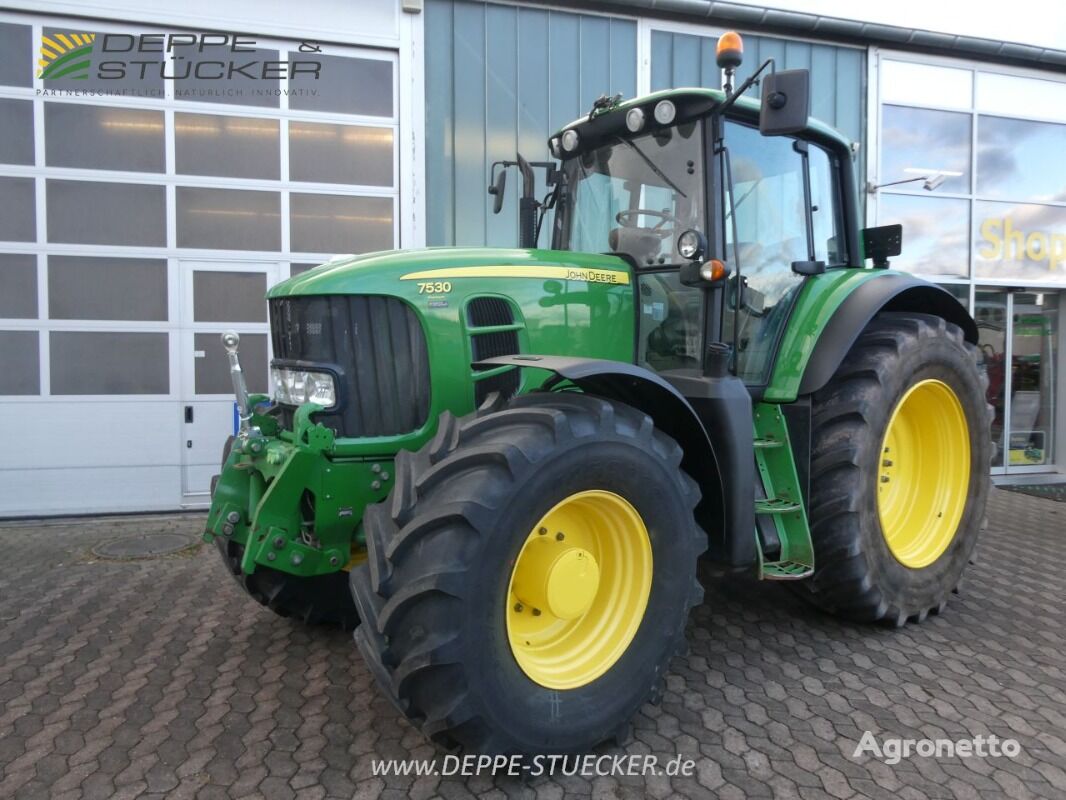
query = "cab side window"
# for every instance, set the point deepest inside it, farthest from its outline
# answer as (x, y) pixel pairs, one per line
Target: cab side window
(765, 230)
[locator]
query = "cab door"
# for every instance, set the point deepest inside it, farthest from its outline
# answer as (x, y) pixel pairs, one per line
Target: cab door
(216, 297)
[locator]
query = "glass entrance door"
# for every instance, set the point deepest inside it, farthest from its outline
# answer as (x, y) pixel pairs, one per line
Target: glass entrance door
(1019, 334)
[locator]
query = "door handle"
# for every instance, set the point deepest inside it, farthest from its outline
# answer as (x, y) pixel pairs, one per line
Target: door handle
(188, 413)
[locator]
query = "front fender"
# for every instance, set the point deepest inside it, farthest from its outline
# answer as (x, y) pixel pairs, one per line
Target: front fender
(711, 457)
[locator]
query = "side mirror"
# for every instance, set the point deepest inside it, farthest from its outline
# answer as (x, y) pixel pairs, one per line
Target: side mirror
(786, 102)
(496, 190)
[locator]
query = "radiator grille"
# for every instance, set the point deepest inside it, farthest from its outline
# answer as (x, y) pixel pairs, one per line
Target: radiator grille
(378, 347)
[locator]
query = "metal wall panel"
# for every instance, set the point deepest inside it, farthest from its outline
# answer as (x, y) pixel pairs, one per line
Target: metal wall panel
(500, 79)
(838, 74)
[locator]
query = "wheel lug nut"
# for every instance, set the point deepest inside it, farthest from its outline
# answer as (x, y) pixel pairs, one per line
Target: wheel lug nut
(518, 607)
(542, 531)
(559, 536)
(884, 479)
(536, 612)
(886, 463)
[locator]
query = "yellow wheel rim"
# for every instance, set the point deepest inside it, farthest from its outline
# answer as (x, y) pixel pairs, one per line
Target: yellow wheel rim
(924, 474)
(579, 589)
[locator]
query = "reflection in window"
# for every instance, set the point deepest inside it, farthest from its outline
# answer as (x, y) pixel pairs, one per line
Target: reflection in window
(1034, 363)
(228, 219)
(935, 232)
(1019, 240)
(960, 291)
(1021, 160)
(229, 296)
(671, 318)
(916, 143)
(231, 147)
(212, 375)
(99, 137)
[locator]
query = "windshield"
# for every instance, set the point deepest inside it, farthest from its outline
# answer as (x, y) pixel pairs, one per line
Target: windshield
(636, 196)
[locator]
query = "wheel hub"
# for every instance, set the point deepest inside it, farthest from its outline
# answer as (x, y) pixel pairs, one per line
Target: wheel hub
(923, 473)
(579, 589)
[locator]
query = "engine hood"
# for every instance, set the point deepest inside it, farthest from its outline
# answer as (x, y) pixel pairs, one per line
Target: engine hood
(378, 273)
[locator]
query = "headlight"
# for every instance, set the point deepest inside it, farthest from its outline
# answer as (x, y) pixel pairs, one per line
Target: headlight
(294, 387)
(570, 140)
(665, 112)
(690, 245)
(634, 120)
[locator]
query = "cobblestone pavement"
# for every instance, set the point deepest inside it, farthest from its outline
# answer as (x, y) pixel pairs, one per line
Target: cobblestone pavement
(146, 678)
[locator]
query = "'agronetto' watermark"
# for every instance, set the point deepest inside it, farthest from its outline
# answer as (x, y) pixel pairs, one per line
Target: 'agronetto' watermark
(894, 750)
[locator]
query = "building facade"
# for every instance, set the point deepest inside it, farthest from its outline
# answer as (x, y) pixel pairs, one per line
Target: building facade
(142, 216)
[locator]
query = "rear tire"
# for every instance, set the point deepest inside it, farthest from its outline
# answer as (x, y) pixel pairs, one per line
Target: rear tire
(435, 594)
(862, 571)
(319, 599)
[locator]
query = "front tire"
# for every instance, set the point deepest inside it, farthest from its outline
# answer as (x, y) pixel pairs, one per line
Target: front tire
(461, 623)
(899, 471)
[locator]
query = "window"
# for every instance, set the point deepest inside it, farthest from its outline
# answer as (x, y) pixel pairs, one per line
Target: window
(636, 197)
(16, 55)
(999, 213)
(228, 219)
(229, 297)
(671, 320)
(766, 230)
(212, 375)
(344, 85)
(326, 223)
(89, 212)
(230, 147)
(18, 211)
(97, 362)
(827, 224)
(1021, 160)
(82, 287)
(1020, 240)
(129, 82)
(935, 233)
(98, 137)
(16, 131)
(19, 363)
(230, 86)
(322, 153)
(917, 142)
(18, 286)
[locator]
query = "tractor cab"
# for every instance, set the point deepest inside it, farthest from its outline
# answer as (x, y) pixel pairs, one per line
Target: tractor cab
(720, 204)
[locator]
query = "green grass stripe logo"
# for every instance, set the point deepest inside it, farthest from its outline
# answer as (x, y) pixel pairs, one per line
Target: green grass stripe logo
(65, 55)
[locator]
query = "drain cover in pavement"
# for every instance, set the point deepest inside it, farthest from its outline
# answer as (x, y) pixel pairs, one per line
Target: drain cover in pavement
(145, 545)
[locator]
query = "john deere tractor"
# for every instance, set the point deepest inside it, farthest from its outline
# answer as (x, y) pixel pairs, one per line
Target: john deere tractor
(504, 464)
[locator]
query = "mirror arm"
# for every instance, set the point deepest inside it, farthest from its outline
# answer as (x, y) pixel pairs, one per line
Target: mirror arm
(751, 81)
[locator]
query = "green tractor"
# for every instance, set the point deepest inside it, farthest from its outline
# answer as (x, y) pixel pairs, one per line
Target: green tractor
(503, 465)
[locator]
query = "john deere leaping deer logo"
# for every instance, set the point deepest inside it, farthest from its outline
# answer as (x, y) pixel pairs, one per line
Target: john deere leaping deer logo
(65, 55)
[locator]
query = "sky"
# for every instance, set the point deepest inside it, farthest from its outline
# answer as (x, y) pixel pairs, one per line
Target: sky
(1036, 22)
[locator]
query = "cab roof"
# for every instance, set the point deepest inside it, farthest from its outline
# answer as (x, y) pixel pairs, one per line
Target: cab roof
(692, 103)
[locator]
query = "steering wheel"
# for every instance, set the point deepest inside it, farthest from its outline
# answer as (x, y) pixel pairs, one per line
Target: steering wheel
(627, 218)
